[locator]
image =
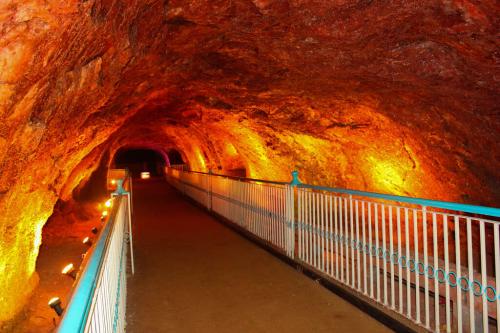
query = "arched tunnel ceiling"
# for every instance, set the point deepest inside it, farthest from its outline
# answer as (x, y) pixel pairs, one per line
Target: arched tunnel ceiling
(398, 97)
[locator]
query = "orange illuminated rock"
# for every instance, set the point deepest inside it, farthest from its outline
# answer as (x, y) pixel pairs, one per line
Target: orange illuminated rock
(398, 97)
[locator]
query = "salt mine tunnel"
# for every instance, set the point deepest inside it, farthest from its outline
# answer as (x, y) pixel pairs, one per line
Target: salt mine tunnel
(398, 98)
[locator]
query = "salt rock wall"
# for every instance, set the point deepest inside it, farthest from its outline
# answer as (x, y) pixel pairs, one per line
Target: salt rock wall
(398, 97)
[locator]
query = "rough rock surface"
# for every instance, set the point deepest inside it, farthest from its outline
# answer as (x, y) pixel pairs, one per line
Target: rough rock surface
(398, 97)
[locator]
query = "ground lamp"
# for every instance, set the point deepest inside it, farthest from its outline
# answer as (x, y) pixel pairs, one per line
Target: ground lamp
(87, 241)
(55, 303)
(70, 271)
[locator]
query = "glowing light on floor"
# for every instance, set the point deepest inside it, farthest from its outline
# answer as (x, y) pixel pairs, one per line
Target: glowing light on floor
(69, 270)
(109, 203)
(55, 303)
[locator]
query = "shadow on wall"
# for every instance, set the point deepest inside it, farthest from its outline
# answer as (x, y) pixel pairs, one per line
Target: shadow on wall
(95, 188)
(140, 160)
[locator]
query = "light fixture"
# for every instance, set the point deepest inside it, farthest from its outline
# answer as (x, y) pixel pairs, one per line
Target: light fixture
(145, 175)
(55, 303)
(94, 230)
(103, 215)
(70, 271)
(108, 203)
(113, 181)
(87, 241)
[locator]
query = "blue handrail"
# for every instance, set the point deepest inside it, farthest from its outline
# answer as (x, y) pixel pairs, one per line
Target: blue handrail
(482, 210)
(75, 316)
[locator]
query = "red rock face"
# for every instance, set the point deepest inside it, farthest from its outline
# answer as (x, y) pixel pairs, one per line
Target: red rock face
(398, 97)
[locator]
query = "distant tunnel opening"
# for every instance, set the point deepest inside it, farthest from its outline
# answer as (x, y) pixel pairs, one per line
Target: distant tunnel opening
(139, 160)
(175, 157)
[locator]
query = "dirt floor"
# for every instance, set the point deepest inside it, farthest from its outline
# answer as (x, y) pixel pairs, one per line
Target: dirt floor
(61, 244)
(195, 275)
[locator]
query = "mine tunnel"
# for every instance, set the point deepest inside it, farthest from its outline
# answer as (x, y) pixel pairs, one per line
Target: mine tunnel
(249, 165)
(138, 160)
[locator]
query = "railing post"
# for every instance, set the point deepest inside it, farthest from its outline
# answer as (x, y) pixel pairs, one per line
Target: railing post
(291, 209)
(209, 189)
(120, 191)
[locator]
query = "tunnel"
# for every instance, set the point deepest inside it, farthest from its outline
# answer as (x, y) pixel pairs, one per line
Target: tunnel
(141, 160)
(397, 98)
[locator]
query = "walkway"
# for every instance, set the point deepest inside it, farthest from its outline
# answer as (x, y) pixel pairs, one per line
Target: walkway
(195, 275)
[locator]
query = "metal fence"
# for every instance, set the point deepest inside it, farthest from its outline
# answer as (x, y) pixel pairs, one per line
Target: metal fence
(435, 263)
(99, 300)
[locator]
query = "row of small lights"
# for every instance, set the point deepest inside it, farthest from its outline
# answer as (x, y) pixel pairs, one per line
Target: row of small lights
(69, 269)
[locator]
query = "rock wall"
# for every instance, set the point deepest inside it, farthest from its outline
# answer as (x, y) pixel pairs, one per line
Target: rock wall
(398, 97)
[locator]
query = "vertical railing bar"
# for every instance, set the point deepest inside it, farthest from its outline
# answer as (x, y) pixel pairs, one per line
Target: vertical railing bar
(265, 209)
(496, 246)
(341, 239)
(335, 211)
(365, 245)
(274, 220)
(322, 233)
(284, 221)
(315, 230)
(435, 246)
(459, 273)
(277, 192)
(331, 234)
(370, 241)
(346, 242)
(407, 263)
(426, 263)
(446, 272)
(415, 273)
(400, 268)
(292, 222)
(484, 281)
(310, 230)
(376, 252)
(358, 254)
(351, 225)
(471, 276)
(305, 226)
(384, 251)
(299, 222)
(277, 206)
(391, 251)
(317, 246)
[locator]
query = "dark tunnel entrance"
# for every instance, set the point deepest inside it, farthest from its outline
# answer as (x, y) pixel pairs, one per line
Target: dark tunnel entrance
(175, 157)
(139, 160)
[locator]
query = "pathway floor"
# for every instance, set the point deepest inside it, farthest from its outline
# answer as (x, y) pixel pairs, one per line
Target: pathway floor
(195, 275)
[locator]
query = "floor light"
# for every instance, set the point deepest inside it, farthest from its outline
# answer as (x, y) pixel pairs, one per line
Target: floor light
(87, 241)
(55, 303)
(70, 271)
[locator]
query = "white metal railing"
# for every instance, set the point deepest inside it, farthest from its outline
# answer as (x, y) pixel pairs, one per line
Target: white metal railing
(181, 167)
(99, 299)
(436, 263)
